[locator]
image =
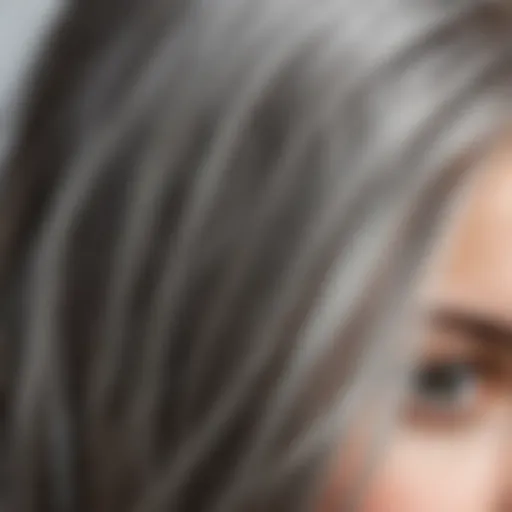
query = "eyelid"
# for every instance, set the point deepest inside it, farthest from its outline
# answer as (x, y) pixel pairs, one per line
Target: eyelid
(481, 361)
(446, 345)
(488, 369)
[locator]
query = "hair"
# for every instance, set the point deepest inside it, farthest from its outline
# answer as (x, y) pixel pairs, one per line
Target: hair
(212, 220)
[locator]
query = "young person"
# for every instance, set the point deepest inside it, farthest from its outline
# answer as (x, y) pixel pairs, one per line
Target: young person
(215, 229)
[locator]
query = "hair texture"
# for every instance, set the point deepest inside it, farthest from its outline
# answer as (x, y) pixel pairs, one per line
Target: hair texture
(210, 225)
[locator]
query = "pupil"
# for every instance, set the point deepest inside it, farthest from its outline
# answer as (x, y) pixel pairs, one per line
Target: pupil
(443, 382)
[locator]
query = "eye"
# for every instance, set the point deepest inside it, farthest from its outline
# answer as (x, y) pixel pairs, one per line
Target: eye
(446, 392)
(446, 385)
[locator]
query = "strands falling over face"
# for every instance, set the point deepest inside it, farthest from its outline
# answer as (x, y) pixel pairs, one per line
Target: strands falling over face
(215, 215)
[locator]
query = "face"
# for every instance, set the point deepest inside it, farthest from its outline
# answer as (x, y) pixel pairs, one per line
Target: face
(452, 450)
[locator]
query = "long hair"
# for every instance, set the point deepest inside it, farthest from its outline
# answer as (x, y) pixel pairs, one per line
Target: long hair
(211, 225)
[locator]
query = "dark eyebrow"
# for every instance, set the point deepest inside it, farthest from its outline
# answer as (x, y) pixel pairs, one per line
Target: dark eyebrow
(475, 325)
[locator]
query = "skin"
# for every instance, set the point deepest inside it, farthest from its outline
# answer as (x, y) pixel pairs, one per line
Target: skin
(452, 448)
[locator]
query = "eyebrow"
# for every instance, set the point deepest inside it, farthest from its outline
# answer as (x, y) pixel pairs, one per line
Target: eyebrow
(476, 325)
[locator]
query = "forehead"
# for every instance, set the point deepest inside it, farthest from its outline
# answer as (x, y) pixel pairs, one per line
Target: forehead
(473, 267)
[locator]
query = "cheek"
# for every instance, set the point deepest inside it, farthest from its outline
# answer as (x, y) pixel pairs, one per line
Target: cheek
(393, 491)
(422, 473)
(435, 492)
(423, 476)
